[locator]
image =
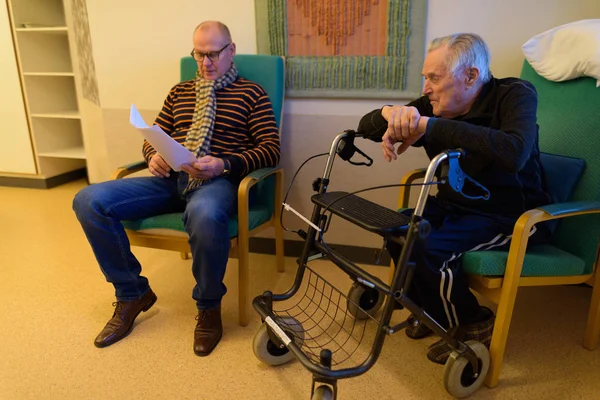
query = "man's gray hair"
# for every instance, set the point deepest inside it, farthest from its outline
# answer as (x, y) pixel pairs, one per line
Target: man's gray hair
(467, 50)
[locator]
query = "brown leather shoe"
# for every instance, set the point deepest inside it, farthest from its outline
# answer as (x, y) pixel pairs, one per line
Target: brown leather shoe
(208, 331)
(121, 323)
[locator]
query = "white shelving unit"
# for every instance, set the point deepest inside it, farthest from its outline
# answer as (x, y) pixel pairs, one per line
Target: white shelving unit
(44, 55)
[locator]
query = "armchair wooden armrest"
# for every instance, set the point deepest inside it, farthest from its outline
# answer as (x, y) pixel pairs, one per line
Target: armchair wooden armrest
(129, 169)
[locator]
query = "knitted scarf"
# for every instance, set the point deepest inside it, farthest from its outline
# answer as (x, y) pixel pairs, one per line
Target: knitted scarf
(201, 131)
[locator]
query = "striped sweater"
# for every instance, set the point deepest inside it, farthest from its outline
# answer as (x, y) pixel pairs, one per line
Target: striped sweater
(245, 132)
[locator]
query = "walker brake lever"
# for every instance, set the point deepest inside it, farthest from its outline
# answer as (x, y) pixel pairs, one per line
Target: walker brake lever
(346, 150)
(457, 177)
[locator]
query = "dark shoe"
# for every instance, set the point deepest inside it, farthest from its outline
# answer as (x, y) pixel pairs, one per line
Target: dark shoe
(121, 323)
(480, 331)
(208, 331)
(417, 330)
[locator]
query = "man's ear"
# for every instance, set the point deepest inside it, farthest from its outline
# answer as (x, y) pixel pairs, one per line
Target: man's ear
(472, 75)
(232, 49)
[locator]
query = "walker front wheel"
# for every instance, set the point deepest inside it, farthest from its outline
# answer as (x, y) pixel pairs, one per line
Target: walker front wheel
(272, 353)
(459, 379)
(363, 301)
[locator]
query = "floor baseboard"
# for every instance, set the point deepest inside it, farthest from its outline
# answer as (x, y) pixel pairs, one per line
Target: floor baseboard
(40, 183)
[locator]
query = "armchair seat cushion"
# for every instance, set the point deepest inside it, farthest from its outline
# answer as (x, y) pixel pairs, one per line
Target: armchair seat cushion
(540, 260)
(174, 222)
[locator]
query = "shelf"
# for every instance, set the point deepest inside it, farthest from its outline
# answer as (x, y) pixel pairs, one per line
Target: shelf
(38, 13)
(51, 94)
(40, 51)
(73, 152)
(61, 114)
(48, 74)
(61, 30)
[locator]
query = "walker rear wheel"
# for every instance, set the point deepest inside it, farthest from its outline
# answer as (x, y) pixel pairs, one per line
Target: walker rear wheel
(369, 300)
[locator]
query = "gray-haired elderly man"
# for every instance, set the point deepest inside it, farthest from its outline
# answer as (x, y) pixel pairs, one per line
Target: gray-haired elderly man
(494, 121)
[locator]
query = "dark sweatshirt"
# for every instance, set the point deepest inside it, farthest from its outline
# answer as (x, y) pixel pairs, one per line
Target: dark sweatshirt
(500, 136)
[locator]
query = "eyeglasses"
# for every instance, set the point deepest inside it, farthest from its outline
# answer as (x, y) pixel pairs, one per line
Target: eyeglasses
(213, 56)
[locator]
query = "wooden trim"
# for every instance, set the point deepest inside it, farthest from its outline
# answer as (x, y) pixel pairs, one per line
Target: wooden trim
(243, 248)
(409, 178)
(403, 199)
(123, 172)
(279, 253)
(508, 295)
(592, 331)
(164, 242)
(489, 282)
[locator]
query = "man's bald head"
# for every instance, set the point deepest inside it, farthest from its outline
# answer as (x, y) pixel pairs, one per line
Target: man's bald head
(214, 25)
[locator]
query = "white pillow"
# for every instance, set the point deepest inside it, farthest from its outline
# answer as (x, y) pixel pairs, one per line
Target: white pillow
(566, 52)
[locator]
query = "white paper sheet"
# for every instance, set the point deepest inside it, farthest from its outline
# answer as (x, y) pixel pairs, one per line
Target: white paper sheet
(174, 154)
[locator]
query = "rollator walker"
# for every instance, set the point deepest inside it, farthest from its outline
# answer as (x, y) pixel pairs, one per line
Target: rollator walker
(324, 328)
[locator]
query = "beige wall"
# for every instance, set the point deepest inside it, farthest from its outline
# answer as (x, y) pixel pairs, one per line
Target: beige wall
(137, 48)
(138, 43)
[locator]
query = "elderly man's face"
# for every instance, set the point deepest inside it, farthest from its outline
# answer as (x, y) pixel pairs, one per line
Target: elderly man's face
(449, 95)
(210, 41)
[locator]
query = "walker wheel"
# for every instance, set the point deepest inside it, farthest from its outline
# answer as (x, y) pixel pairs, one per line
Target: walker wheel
(369, 300)
(458, 372)
(322, 393)
(269, 352)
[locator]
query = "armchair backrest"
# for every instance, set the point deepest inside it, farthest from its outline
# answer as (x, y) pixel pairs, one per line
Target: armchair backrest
(269, 72)
(569, 120)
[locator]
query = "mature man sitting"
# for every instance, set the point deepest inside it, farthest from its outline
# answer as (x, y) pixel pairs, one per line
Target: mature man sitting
(228, 123)
(494, 121)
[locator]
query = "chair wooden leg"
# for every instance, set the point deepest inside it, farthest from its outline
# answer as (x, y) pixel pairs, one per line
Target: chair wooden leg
(279, 255)
(184, 255)
(499, 338)
(243, 287)
(506, 305)
(592, 331)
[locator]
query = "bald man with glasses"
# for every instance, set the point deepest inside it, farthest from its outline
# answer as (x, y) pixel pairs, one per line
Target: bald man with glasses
(228, 123)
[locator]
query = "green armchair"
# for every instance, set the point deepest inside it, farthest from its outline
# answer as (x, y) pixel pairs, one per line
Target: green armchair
(570, 136)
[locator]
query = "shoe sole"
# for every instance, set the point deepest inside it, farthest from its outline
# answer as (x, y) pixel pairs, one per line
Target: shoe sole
(204, 354)
(144, 309)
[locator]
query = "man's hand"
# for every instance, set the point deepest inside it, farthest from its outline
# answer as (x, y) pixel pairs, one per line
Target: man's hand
(158, 166)
(405, 126)
(205, 168)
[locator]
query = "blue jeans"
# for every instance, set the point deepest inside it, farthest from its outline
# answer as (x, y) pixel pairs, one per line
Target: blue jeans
(101, 207)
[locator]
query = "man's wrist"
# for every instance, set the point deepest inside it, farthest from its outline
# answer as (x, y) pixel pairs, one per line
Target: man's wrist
(226, 167)
(422, 126)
